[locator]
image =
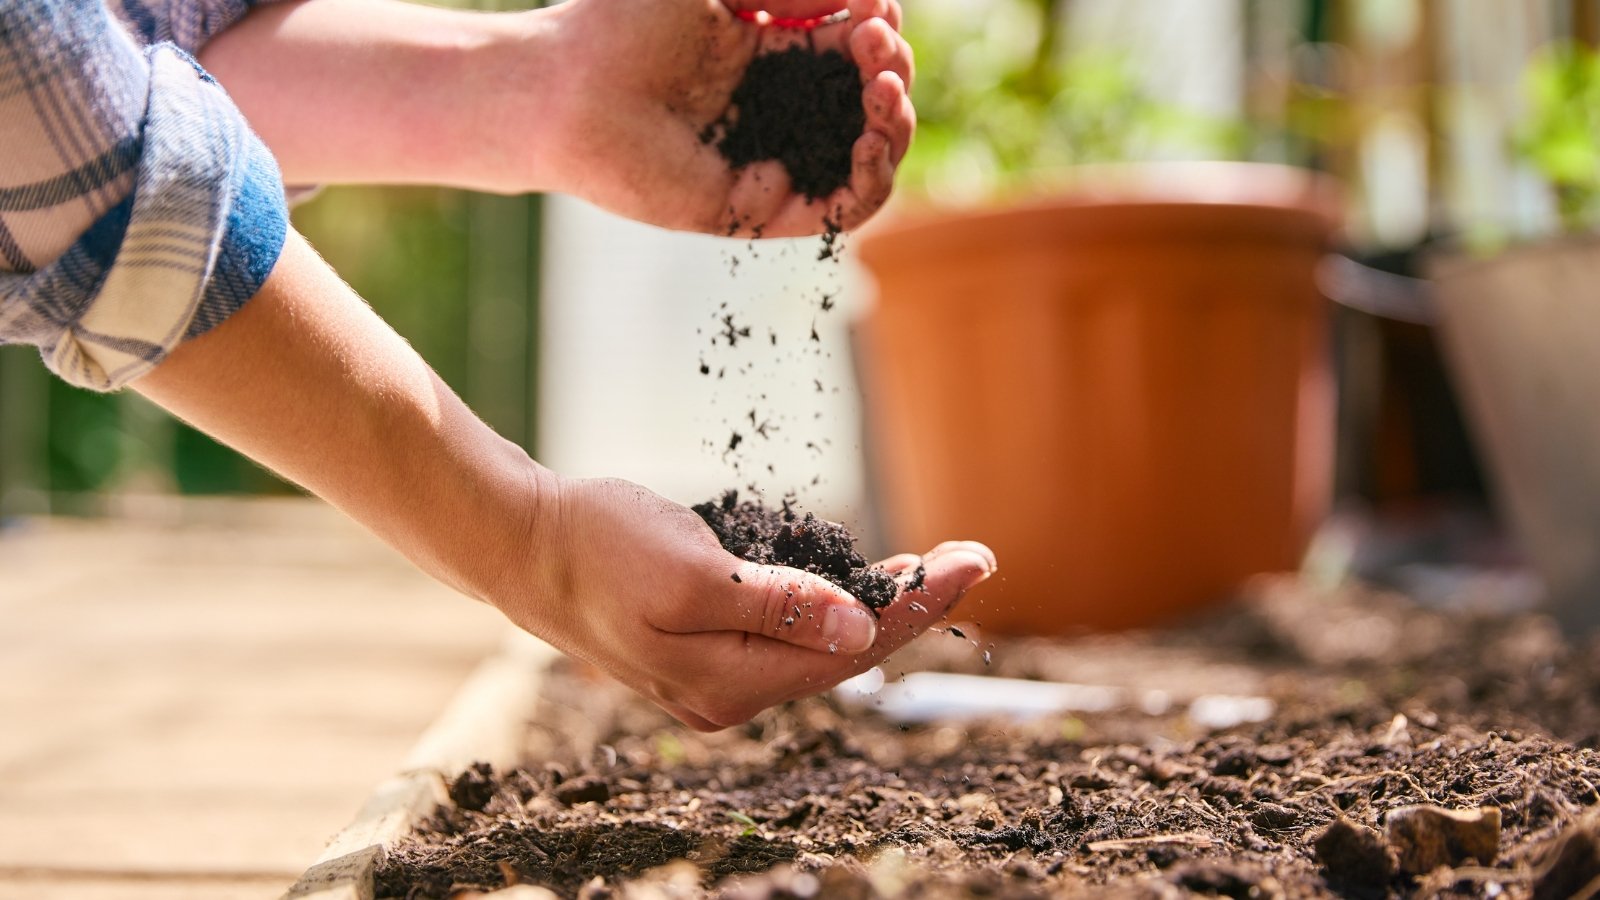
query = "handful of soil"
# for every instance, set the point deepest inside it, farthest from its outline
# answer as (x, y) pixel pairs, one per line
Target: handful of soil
(781, 537)
(801, 108)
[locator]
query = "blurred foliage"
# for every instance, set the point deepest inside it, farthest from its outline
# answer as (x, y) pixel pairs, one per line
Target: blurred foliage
(403, 249)
(1003, 105)
(1560, 138)
(83, 435)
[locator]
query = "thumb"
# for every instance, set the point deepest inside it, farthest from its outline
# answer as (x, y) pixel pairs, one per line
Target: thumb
(794, 607)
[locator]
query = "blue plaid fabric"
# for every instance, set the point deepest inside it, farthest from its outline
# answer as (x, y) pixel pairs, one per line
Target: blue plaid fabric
(137, 209)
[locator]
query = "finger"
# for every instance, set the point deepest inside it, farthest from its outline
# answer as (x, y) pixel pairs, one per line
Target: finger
(790, 606)
(780, 672)
(876, 48)
(889, 112)
(837, 35)
(950, 570)
(865, 10)
(900, 562)
(894, 15)
(871, 179)
(758, 194)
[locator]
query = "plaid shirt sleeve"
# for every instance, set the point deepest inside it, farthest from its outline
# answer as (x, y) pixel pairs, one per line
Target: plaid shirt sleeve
(137, 209)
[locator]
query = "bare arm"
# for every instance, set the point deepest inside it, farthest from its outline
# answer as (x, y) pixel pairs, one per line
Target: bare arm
(603, 99)
(307, 380)
(389, 92)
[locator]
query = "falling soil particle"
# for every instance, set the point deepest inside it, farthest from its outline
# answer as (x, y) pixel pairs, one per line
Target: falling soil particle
(801, 108)
(831, 248)
(783, 537)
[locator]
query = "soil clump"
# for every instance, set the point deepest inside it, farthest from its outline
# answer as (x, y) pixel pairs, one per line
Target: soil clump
(757, 533)
(801, 108)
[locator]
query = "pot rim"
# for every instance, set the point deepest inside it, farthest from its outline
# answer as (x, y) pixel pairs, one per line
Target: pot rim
(1272, 199)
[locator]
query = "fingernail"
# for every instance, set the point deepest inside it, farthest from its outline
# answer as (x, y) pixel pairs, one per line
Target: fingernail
(985, 563)
(973, 549)
(851, 630)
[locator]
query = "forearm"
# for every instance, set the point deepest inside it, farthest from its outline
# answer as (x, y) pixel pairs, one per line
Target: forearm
(307, 380)
(390, 92)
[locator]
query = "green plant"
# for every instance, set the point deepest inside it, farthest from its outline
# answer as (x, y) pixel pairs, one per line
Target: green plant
(750, 825)
(1560, 138)
(1002, 103)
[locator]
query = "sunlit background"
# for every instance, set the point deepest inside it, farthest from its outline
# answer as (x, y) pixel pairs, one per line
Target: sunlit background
(197, 692)
(581, 336)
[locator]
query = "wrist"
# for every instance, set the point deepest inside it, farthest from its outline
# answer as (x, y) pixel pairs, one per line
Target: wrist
(494, 531)
(512, 118)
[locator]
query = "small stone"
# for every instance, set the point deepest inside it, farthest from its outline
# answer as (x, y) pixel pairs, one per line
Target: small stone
(1273, 817)
(1235, 761)
(1426, 837)
(1353, 854)
(583, 789)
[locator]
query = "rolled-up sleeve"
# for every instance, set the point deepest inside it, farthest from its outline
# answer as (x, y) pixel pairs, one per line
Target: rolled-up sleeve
(137, 208)
(185, 23)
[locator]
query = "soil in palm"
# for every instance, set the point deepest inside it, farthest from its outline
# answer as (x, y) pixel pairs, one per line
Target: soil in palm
(801, 108)
(755, 532)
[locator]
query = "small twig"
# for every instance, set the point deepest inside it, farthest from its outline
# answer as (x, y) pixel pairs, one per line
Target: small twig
(1590, 785)
(1352, 779)
(1443, 877)
(1195, 838)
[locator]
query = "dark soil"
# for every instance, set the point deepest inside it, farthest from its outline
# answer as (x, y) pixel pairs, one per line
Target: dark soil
(801, 108)
(1413, 753)
(782, 537)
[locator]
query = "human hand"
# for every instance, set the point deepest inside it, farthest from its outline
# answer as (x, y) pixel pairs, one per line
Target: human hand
(646, 77)
(639, 587)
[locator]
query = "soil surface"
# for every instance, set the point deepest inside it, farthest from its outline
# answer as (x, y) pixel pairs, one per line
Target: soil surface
(801, 108)
(782, 537)
(1406, 752)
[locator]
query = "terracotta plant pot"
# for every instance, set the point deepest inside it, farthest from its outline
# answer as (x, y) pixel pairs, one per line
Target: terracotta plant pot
(1124, 391)
(1521, 331)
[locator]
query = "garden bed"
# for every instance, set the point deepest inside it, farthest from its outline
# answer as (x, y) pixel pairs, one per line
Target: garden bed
(1404, 752)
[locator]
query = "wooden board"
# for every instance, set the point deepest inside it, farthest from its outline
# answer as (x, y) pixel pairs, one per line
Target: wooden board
(485, 722)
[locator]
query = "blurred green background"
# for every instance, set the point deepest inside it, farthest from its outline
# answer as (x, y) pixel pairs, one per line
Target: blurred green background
(1436, 115)
(456, 273)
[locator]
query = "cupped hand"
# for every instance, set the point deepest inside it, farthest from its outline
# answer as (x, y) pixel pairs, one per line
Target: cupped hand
(647, 77)
(639, 587)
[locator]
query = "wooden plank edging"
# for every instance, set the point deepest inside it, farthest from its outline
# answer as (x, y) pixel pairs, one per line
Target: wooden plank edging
(485, 721)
